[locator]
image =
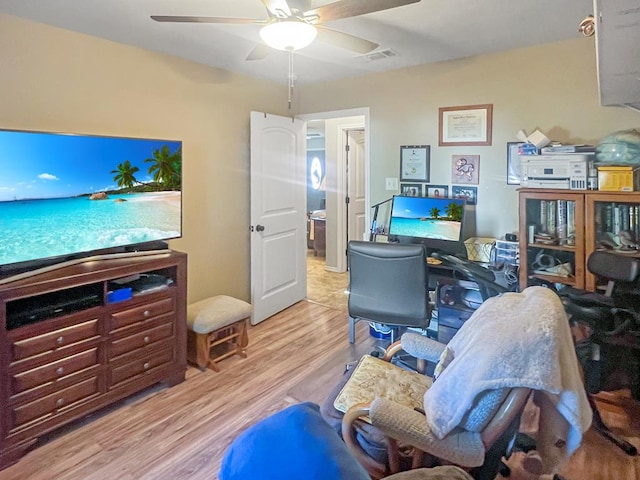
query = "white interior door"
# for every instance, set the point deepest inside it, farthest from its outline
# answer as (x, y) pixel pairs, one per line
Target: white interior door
(278, 217)
(356, 185)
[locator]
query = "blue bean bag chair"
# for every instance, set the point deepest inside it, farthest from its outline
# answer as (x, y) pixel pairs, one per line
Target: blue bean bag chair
(293, 444)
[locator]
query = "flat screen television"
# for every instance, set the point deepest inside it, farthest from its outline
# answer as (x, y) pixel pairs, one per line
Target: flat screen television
(64, 196)
(438, 223)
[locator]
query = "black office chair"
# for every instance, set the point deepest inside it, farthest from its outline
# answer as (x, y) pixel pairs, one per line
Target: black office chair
(388, 284)
(611, 321)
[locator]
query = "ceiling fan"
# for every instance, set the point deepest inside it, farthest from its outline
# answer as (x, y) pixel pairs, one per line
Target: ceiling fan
(293, 24)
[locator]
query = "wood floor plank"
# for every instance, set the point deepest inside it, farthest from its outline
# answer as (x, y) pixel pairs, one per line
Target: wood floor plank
(183, 431)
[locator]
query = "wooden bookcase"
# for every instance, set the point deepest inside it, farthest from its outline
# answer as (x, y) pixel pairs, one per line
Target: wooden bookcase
(598, 218)
(608, 213)
(68, 349)
(539, 208)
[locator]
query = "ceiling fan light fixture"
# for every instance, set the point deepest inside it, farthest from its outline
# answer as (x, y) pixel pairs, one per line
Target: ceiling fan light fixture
(288, 34)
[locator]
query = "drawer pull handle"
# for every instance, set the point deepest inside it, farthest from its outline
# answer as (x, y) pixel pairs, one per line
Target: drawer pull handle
(60, 402)
(146, 313)
(146, 365)
(60, 340)
(146, 339)
(60, 370)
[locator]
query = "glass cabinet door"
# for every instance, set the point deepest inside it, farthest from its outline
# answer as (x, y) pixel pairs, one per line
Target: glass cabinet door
(551, 238)
(612, 224)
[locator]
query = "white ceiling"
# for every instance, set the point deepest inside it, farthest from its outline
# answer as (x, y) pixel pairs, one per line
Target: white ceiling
(425, 32)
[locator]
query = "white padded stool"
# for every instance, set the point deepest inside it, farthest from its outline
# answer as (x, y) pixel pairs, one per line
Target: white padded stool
(215, 321)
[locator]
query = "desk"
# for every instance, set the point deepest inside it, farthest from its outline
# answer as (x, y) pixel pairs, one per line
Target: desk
(319, 236)
(441, 270)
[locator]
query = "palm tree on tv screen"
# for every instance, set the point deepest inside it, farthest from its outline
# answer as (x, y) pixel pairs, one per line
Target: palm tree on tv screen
(454, 211)
(166, 167)
(125, 174)
(434, 212)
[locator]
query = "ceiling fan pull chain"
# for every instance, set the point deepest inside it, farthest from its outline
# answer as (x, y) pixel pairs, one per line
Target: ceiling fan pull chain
(290, 77)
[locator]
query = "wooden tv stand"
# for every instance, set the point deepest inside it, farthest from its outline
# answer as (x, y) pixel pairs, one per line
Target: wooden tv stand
(58, 366)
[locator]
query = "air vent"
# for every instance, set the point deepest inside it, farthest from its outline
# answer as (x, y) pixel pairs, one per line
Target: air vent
(381, 55)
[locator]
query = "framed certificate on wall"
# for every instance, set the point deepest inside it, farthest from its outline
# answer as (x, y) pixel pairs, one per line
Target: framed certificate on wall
(414, 163)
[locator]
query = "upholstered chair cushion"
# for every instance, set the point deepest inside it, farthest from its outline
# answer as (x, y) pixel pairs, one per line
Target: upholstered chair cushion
(215, 313)
(483, 409)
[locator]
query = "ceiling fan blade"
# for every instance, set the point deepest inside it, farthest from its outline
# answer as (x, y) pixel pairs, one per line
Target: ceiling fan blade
(259, 52)
(278, 8)
(345, 40)
(353, 8)
(187, 19)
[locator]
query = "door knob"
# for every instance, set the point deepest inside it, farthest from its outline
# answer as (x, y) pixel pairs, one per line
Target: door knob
(260, 228)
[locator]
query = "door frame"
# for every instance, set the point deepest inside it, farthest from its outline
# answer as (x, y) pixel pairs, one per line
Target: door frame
(339, 231)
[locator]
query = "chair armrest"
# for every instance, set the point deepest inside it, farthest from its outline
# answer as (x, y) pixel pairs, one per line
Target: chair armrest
(359, 412)
(408, 426)
(422, 347)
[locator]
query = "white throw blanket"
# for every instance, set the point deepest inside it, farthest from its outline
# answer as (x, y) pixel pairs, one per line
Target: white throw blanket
(516, 340)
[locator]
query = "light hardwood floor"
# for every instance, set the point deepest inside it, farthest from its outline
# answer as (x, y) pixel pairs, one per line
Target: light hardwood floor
(182, 432)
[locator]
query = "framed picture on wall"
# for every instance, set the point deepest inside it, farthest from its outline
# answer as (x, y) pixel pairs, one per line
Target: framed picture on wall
(414, 163)
(464, 191)
(411, 189)
(465, 169)
(465, 125)
(513, 163)
(441, 191)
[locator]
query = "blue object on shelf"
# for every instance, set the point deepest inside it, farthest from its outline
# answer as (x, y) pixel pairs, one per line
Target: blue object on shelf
(119, 295)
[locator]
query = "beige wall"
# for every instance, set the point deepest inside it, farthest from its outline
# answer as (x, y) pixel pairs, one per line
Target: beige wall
(55, 80)
(551, 87)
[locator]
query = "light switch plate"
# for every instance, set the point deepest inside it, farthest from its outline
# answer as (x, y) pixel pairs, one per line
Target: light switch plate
(391, 183)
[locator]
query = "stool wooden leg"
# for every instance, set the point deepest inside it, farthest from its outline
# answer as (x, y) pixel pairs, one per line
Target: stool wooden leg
(243, 339)
(202, 350)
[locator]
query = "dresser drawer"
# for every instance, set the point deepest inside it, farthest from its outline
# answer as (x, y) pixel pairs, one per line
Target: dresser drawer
(141, 339)
(148, 310)
(54, 371)
(142, 366)
(57, 402)
(55, 339)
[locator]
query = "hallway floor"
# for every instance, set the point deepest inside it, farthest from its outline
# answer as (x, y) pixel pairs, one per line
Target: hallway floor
(323, 287)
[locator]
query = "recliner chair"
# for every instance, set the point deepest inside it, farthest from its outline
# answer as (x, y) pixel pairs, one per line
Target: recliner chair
(512, 344)
(388, 284)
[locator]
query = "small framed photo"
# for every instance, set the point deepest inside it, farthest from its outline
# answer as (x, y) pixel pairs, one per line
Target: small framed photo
(466, 192)
(513, 163)
(411, 189)
(441, 191)
(414, 163)
(465, 169)
(467, 125)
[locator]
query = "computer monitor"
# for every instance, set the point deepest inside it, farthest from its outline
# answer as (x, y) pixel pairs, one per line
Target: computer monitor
(437, 223)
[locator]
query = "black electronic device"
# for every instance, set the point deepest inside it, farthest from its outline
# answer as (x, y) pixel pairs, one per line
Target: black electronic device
(51, 305)
(143, 283)
(73, 196)
(436, 222)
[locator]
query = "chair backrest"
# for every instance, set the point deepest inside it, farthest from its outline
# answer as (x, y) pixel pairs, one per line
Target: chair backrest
(510, 410)
(388, 283)
(613, 268)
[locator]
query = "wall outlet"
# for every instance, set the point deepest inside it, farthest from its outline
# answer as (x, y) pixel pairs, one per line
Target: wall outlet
(391, 183)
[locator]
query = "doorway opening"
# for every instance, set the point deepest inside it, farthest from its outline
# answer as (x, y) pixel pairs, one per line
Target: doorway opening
(337, 198)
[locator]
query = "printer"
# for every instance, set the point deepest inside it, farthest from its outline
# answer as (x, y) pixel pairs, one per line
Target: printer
(566, 171)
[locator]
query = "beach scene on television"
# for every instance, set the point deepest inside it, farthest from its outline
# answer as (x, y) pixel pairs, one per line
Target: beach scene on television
(424, 217)
(65, 194)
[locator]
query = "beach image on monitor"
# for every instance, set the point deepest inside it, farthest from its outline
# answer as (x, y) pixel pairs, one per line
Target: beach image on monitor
(435, 218)
(65, 194)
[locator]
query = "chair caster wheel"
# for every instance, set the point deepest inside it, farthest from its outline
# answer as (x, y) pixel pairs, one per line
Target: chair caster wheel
(378, 352)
